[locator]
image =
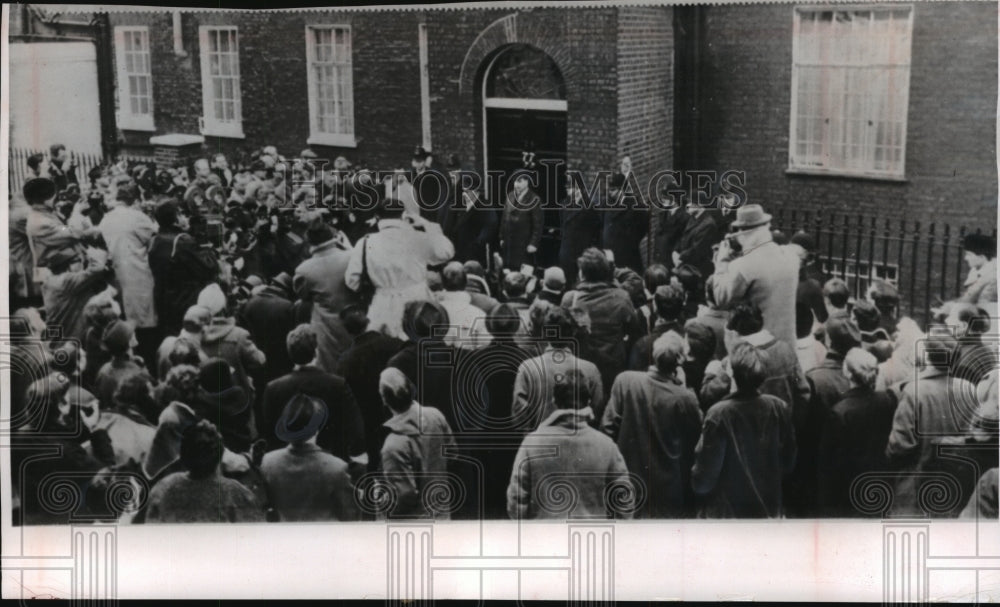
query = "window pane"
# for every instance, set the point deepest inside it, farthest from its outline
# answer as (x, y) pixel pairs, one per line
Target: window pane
(144, 106)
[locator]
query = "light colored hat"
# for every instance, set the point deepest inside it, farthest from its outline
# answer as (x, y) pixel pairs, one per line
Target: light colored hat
(554, 279)
(213, 298)
(750, 216)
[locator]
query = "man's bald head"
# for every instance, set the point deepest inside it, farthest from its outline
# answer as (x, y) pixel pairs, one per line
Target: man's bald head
(395, 389)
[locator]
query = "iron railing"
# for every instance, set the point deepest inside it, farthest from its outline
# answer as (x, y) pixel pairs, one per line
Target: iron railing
(923, 260)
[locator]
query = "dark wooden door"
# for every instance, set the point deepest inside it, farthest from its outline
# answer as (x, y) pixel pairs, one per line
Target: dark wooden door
(509, 133)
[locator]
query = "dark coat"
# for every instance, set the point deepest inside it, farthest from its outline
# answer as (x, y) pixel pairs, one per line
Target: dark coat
(484, 434)
(519, 227)
(360, 366)
(695, 246)
(66, 459)
(434, 382)
(810, 293)
(180, 499)
(668, 235)
(828, 386)
(343, 435)
(853, 443)
(656, 423)
(270, 316)
(320, 280)
(641, 355)
(470, 230)
(308, 484)
(747, 447)
(181, 269)
(431, 189)
(580, 228)
(612, 319)
(583, 459)
(622, 231)
(931, 409)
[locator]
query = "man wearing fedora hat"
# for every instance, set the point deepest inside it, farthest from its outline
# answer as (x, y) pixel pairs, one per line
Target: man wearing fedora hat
(763, 272)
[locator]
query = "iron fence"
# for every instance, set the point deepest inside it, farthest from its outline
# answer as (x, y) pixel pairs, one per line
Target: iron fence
(924, 261)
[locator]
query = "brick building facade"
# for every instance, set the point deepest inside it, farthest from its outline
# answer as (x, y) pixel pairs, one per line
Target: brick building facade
(950, 173)
(616, 64)
(684, 87)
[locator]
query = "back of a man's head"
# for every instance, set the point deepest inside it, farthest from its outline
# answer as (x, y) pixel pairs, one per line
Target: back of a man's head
(571, 391)
(656, 275)
(668, 352)
(420, 318)
(559, 325)
(690, 279)
(515, 284)
(701, 340)
(749, 364)
(201, 449)
(594, 266)
(842, 334)
(668, 301)
(395, 389)
(503, 321)
(938, 349)
(746, 319)
(836, 292)
(453, 277)
(301, 343)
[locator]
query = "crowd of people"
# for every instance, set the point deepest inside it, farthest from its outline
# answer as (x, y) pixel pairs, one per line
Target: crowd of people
(247, 339)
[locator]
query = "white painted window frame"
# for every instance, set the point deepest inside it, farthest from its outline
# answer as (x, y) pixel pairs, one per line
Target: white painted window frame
(316, 137)
(896, 72)
(210, 125)
(128, 120)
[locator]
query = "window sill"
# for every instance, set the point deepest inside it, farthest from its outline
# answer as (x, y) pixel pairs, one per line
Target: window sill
(846, 174)
(338, 141)
(128, 125)
(226, 132)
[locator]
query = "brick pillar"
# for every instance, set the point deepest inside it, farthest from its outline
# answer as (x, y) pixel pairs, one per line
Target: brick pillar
(175, 148)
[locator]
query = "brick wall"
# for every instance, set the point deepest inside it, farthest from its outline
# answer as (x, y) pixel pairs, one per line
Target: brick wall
(645, 87)
(582, 42)
(950, 152)
(274, 86)
(645, 92)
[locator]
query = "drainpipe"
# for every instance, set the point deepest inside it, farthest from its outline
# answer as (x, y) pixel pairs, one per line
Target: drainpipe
(105, 83)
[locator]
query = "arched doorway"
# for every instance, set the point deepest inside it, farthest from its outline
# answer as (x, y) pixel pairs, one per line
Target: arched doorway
(524, 118)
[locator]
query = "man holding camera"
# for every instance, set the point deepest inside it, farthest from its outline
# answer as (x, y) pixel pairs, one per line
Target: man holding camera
(750, 266)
